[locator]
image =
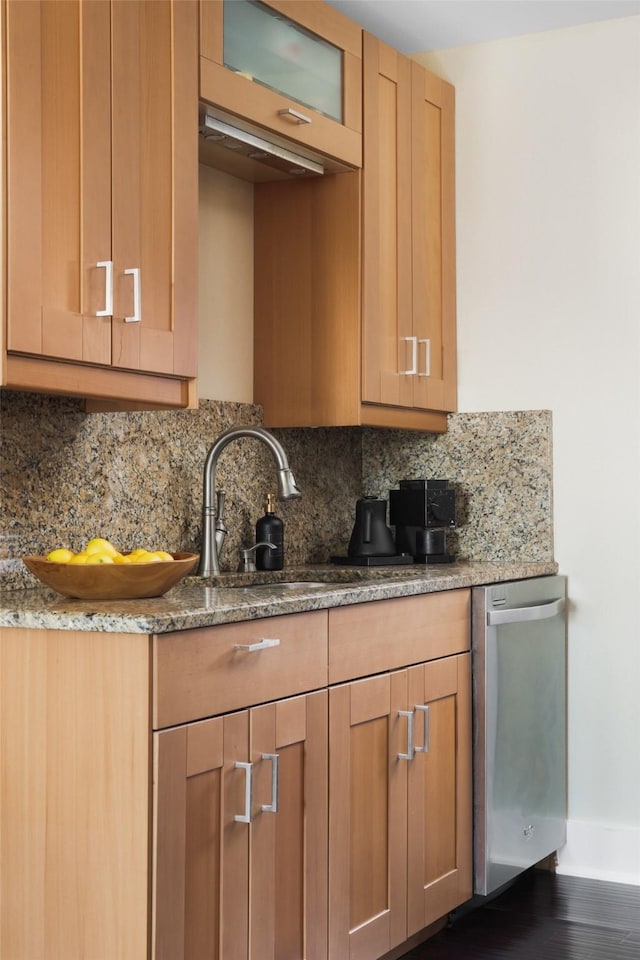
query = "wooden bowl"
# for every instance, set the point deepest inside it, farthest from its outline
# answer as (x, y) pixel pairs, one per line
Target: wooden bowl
(112, 581)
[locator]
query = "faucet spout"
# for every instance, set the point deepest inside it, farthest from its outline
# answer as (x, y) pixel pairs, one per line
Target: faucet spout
(287, 490)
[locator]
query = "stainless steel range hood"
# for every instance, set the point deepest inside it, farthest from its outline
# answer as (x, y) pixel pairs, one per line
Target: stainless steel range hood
(224, 137)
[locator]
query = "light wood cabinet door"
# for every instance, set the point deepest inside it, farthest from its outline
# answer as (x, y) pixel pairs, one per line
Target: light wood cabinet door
(367, 817)
(439, 867)
(400, 805)
(255, 887)
(58, 179)
(102, 196)
(288, 915)
(409, 342)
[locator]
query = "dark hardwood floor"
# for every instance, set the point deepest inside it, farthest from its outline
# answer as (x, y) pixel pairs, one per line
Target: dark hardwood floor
(545, 917)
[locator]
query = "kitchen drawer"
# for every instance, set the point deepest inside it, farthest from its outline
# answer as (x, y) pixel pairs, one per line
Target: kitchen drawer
(201, 673)
(369, 638)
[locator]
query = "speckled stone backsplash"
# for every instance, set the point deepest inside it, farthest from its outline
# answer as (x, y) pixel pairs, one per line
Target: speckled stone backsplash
(501, 467)
(136, 478)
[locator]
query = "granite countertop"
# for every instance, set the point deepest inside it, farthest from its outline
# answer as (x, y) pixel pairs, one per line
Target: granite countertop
(235, 597)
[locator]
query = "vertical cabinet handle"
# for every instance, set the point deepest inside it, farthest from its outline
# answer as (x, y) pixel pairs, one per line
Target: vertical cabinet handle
(137, 301)
(424, 709)
(414, 356)
(108, 288)
(248, 792)
(427, 358)
(410, 747)
(273, 806)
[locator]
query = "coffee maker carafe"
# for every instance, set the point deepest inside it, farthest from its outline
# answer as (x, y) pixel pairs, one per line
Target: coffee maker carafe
(371, 537)
(423, 512)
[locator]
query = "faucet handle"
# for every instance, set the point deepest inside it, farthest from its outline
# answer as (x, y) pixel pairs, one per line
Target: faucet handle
(247, 561)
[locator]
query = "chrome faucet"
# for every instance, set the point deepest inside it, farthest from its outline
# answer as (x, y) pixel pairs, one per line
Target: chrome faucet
(213, 526)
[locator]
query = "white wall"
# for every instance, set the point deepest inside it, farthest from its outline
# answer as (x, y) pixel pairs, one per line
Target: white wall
(548, 220)
(225, 363)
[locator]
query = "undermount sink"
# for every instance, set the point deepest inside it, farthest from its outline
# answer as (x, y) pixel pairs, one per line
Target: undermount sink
(286, 585)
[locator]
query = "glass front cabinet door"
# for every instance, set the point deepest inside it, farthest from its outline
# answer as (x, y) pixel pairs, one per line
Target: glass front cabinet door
(289, 67)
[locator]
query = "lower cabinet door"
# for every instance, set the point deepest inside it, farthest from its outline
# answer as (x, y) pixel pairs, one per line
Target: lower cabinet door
(241, 835)
(288, 913)
(367, 817)
(439, 863)
(201, 868)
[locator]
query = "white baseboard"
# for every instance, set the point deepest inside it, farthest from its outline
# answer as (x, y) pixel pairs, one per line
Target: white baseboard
(600, 852)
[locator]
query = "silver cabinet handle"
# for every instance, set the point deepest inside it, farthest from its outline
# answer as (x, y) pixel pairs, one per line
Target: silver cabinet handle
(260, 645)
(248, 792)
(273, 806)
(410, 748)
(414, 357)
(137, 301)
(108, 288)
(427, 358)
(424, 709)
(294, 115)
(521, 614)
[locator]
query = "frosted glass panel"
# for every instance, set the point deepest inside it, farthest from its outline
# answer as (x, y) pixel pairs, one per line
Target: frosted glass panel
(272, 50)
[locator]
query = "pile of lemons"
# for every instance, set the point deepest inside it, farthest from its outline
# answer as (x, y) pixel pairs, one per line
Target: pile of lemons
(99, 550)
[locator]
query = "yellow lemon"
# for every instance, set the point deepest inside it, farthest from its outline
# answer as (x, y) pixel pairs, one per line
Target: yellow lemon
(100, 545)
(81, 557)
(118, 558)
(61, 555)
(162, 555)
(145, 556)
(99, 558)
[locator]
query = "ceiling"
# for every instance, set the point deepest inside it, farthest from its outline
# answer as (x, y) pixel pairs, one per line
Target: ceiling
(415, 26)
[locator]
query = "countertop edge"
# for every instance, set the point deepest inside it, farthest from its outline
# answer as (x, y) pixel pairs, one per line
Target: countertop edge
(196, 604)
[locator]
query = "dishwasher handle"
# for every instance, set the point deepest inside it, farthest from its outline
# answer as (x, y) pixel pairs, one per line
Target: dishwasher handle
(545, 611)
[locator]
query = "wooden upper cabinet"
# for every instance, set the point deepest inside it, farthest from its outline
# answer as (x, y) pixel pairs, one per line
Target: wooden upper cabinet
(355, 273)
(409, 320)
(299, 76)
(102, 198)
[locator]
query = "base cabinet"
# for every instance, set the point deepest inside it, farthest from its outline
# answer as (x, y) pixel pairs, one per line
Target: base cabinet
(400, 809)
(301, 792)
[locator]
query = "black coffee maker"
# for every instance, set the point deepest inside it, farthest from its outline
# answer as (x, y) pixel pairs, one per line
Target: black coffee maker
(423, 512)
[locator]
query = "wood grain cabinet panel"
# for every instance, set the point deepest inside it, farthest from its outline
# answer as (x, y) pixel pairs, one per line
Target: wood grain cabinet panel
(101, 107)
(355, 273)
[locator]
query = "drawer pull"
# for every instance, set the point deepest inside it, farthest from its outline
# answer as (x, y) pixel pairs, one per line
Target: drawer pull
(260, 645)
(248, 791)
(294, 115)
(410, 747)
(273, 806)
(424, 709)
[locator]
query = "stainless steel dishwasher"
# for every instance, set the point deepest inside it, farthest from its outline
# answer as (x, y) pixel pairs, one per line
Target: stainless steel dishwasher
(519, 727)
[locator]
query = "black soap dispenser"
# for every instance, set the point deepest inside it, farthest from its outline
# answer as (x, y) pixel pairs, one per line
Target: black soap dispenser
(270, 529)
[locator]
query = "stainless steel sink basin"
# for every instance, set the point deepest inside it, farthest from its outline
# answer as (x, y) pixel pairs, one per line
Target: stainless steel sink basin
(285, 585)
